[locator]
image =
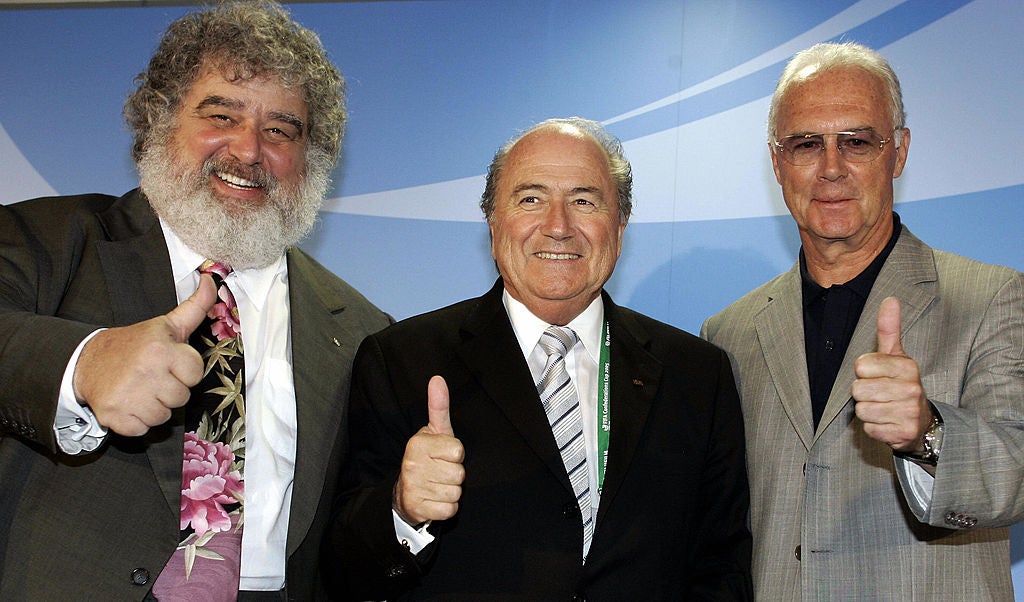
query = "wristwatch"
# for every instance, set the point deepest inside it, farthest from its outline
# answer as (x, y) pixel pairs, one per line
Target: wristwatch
(932, 443)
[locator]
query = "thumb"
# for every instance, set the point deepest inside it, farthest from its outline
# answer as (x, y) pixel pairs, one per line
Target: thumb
(439, 419)
(889, 327)
(190, 313)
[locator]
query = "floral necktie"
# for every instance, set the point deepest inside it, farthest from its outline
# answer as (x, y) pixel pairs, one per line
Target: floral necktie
(206, 563)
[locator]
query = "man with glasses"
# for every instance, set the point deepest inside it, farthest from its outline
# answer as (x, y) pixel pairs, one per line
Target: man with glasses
(882, 381)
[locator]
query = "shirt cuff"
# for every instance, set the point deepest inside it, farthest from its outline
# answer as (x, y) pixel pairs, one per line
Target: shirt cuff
(921, 484)
(412, 538)
(75, 426)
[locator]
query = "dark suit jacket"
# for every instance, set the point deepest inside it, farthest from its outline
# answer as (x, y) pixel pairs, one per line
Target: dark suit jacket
(82, 527)
(672, 519)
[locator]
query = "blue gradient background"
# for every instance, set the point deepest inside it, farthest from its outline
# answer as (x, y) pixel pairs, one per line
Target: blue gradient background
(436, 86)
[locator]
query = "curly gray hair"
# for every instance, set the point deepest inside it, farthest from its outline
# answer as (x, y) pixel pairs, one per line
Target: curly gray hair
(244, 40)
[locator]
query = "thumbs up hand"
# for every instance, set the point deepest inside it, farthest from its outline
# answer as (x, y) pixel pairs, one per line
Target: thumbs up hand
(132, 376)
(430, 483)
(890, 398)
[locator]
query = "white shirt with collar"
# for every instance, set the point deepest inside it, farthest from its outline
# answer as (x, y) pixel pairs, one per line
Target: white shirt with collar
(581, 362)
(270, 419)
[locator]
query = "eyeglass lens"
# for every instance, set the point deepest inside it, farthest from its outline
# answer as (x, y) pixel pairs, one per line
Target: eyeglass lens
(855, 146)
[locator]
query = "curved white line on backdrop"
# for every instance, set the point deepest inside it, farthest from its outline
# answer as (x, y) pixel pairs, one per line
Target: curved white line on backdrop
(687, 187)
(452, 201)
(846, 20)
(703, 170)
(27, 183)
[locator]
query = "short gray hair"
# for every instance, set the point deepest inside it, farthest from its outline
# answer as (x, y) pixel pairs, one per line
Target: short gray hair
(618, 167)
(820, 58)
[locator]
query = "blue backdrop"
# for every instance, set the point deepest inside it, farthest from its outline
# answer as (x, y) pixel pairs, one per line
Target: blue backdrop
(435, 87)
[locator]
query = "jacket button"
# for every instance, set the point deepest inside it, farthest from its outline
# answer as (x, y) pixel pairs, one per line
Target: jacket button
(570, 510)
(796, 552)
(140, 576)
(395, 571)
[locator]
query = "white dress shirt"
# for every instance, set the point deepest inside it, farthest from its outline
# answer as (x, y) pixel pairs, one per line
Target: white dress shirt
(270, 422)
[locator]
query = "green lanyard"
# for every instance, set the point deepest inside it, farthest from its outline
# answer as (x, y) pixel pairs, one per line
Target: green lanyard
(604, 406)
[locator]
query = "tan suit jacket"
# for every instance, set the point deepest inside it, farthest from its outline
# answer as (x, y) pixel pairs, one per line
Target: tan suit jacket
(830, 513)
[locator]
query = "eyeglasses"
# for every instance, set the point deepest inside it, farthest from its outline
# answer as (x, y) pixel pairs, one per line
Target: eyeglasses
(859, 147)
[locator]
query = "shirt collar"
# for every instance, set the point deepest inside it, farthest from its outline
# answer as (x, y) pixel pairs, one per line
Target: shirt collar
(529, 327)
(254, 283)
(862, 283)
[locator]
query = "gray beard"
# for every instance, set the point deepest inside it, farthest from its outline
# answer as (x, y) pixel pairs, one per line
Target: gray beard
(248, 237)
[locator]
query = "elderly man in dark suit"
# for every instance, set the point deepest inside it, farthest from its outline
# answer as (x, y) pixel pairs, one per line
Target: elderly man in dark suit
(541, 442)
(118, 482)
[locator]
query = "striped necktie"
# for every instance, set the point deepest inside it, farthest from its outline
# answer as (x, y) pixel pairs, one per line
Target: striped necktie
(562, 406)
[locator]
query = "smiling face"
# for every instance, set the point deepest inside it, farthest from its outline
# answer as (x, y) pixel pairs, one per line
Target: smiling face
(555, 230)
(253, 132)
(233, 176)
(840, 206)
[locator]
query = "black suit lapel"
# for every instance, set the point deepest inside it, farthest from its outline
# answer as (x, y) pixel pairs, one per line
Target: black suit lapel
(135, 262)
(139, 286)
(635, 378)
(493, 357)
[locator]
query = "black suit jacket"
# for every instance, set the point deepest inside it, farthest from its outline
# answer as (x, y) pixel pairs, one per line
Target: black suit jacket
(672, 518)
(83, 527)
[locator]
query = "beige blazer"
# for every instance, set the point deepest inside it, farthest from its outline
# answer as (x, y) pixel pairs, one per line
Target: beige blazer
(830, 513)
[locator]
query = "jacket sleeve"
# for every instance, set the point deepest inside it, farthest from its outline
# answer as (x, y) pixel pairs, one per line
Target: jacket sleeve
(362, 557)
(979, 480)
(35, 344)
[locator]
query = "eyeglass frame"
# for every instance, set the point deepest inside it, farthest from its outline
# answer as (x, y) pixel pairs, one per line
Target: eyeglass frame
(776, 143)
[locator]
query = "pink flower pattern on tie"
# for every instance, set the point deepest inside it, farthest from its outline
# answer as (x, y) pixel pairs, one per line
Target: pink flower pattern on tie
(208, 484)
(212, 485)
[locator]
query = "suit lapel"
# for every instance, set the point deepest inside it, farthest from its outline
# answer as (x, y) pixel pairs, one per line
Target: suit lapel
(319, 338)
(909, 266)
(493, 357)
(635, 380)
(488, 343)
(135, 262)
(137, 270)
(780, 333)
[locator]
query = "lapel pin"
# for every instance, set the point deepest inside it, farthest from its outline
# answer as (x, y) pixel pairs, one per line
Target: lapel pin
(335, 340)
(637, 382)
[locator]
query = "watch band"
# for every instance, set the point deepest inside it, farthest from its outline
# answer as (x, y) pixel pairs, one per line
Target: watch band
(932, 443)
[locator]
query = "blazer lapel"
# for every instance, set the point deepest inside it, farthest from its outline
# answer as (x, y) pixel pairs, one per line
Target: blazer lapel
(491, 353)
(135, 262)
(137, 270)
(909, 266)
(319, 338)
(780, 333)
(635, 379)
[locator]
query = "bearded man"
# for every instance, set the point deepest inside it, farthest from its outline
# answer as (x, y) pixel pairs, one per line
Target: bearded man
(118, 482)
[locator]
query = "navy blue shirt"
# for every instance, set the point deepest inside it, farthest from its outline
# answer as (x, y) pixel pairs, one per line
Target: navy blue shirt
(830, 317)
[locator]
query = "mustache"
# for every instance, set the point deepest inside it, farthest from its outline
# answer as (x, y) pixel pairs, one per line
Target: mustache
(253, 173)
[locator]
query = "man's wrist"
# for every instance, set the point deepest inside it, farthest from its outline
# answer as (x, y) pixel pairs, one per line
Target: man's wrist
(931, 442)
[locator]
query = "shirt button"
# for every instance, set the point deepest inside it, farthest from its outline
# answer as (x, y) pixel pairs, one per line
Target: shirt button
(829, 345)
